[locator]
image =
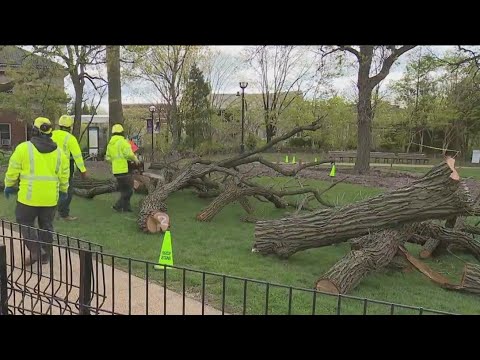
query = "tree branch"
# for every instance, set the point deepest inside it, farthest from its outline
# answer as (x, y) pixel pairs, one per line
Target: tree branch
(387, 64)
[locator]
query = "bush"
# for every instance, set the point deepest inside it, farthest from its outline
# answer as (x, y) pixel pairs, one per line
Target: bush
(300, 142)
(251, 142)
(211, 148)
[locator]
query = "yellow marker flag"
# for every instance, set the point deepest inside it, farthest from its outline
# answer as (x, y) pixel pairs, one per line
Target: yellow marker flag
(333, 171)
(166, 255)
(293, 160)
(286, 159)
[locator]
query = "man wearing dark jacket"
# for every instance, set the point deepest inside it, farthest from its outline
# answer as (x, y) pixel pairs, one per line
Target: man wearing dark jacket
(41, 171)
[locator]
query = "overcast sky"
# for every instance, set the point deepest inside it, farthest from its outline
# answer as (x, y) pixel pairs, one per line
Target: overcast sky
(137, 92)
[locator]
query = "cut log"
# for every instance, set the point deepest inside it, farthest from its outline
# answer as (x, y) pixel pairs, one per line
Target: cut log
(90, 187)
(429, 247)
(158, 222)
(108, 186)
(470, 280)
(144, 184)
(437, 195)
(447, 237)
(347, 273)
(155, 201)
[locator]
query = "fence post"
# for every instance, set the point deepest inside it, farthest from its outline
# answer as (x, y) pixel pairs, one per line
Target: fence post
(3, 281)
(86, 270)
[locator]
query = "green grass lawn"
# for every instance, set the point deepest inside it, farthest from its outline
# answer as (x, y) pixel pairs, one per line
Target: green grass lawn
(466, 170)
(224, 246)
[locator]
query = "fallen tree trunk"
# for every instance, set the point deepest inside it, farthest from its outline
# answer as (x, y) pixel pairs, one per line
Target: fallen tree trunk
(154, 203)
(470, 280)
(90, 187)
(440, 239)
(352, 268)
(90, 193)
(446, 236)
(233, 193)
(437, 195)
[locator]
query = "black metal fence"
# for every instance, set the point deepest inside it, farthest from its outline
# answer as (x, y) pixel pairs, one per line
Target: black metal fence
(81, 278)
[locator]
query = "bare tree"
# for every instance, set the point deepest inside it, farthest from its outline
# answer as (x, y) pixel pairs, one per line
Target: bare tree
(218, 69)
(166, 68)
(368, 56)
(280, 70)
(79, 59)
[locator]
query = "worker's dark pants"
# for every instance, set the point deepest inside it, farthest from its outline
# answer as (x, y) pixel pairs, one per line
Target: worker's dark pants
(125, 186)
(26, 215)
(64, 206)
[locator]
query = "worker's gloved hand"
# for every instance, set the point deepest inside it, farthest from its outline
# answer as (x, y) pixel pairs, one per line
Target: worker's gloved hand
(83, 175)
(137, 162)
(9, 191)
(62, 196)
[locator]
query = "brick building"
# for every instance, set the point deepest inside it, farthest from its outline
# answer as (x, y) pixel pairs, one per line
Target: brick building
(13, 129)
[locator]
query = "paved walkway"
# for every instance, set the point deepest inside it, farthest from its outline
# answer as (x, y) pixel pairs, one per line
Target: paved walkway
(65, 270)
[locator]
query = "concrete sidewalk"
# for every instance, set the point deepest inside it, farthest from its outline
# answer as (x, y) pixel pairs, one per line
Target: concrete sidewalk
(37, 289)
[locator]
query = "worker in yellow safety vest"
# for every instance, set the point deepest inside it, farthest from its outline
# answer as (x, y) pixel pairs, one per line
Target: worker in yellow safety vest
(119, 152)
(69, 145)
(39, 171)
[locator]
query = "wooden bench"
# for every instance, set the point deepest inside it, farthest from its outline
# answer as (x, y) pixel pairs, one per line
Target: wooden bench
(377, 157)
(341, 155)
(387, 157)
(405, 158)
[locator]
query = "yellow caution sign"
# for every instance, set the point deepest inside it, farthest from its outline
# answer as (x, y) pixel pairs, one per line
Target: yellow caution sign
(166, 254)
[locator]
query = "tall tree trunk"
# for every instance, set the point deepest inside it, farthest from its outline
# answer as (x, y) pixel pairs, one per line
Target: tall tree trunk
(364, 110)
(78, 87)
(114, 86)
(437, 195)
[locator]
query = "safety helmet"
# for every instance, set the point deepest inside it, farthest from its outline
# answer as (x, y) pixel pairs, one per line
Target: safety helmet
(65, 121)
(117, 128)
(43, 124)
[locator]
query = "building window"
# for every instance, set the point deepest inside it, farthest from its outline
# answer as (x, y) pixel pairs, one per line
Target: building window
(5, 135)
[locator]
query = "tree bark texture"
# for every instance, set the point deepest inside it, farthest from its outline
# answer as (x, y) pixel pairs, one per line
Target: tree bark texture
(347, 273)
(437, 195)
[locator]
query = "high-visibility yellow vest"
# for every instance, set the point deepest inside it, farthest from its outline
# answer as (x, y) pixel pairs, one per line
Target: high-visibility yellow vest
(41, 175)
(119, 151)
(69, 145)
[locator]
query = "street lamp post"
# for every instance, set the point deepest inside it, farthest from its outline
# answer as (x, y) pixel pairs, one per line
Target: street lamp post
(243, 85)
(152, 110)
